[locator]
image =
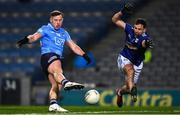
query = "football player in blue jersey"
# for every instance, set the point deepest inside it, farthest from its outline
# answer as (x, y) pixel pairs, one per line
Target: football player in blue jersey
(53, 38)
(130, 59)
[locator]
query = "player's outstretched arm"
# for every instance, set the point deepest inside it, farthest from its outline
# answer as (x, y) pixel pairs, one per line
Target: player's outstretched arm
(21, 42)
(76, 49)
(127, 10)
(28, 39)
(118, 21)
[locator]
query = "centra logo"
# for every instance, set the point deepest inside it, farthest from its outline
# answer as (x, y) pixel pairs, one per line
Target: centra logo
(145, 98)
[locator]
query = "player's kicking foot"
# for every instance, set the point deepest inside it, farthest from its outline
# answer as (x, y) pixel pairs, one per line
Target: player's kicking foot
(119, 98)
(134, 94)
(56, 108)
(73, 85)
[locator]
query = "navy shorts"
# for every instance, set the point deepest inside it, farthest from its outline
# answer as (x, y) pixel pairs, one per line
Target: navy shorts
(46, 60)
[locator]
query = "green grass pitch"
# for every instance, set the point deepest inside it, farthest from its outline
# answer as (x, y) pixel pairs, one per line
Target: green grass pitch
(90, 110)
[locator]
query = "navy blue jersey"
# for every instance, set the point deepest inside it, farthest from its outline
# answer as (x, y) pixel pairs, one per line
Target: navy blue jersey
(133, 49)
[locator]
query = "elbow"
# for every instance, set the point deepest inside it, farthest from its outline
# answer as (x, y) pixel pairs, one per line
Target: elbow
(114, 20)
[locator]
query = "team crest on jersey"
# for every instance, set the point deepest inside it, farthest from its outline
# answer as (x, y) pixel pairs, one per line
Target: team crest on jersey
(144, 34)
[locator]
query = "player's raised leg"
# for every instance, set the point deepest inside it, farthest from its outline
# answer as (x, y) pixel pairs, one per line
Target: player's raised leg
(56, 70)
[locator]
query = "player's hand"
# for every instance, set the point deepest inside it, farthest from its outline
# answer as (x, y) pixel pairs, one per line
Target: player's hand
(128, 8)
(21, 42)
(149, 43)
(87, 58)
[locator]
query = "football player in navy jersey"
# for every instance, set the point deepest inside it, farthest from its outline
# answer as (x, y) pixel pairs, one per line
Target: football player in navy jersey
(130, 59)
(53, 38)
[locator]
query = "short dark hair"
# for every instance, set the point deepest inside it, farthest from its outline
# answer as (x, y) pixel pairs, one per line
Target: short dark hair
(56, 13)
(141, 21)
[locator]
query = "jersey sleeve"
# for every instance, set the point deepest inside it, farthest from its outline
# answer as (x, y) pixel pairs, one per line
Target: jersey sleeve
(128, 28)
(42, 30)
(68, 37)
(146, 36)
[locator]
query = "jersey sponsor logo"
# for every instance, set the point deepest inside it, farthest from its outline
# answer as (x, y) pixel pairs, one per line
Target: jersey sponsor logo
(59, 41)
(130, 46)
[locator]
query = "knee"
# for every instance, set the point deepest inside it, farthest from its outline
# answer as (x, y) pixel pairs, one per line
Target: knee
(130, 71)
(58, 74)
(56, 71)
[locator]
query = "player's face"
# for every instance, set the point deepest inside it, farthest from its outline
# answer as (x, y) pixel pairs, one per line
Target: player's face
(56, 21)
(139, 29)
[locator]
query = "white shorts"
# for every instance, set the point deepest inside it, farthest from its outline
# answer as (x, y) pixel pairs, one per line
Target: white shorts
(122, 61)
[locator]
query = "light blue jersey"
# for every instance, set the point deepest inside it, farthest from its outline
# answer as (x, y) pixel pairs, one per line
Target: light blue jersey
(52, 40)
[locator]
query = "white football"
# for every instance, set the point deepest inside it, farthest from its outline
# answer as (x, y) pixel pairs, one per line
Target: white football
(92, 96)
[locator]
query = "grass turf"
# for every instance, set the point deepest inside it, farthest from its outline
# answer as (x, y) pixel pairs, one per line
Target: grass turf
(74, 110)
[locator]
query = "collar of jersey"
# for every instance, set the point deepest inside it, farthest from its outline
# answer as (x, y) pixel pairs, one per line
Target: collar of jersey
(50, 25)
